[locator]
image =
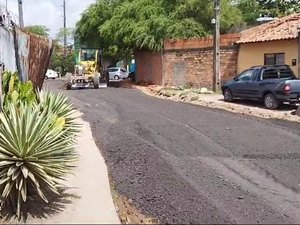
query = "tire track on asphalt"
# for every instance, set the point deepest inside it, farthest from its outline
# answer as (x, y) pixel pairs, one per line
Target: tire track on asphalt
(252, 178)
(286, 199)
(245, 173)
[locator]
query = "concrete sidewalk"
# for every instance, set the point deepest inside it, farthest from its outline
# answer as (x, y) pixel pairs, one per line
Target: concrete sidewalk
(88, 199)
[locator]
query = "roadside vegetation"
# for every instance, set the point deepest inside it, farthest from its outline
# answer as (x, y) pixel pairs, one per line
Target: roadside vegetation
(120, 27)
(37, 143)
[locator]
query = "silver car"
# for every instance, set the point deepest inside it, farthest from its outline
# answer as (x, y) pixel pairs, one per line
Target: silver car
(117, 73)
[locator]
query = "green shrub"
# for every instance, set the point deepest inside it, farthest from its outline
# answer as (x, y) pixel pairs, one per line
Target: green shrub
(15, 91)
(37, 141)
(36, 151)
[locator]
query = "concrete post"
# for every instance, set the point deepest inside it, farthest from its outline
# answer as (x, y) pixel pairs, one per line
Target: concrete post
(298, 75)
(21, 20)
(217, 63)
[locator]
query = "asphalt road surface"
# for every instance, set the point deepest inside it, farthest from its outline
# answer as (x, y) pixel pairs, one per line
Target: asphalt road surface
(188, 164)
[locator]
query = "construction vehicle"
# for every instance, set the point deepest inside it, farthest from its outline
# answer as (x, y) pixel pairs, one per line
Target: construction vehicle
(87, 72)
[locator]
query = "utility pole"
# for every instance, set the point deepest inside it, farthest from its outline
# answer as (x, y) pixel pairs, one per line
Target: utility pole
(216, 58)
(6, 14)
(65, 38)
(1, 73)
(298, 52)
(6, 9)
(21, 20)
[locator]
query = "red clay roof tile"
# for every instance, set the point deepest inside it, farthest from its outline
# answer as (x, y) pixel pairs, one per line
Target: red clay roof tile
(278, 29)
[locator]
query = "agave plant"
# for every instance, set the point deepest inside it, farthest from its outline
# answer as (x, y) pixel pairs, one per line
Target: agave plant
(58, 104)
(36, 148)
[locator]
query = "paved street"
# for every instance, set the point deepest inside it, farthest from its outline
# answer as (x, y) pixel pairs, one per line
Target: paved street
(187, 164)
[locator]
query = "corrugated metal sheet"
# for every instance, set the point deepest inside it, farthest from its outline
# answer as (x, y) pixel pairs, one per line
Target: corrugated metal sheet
(32, 58)
(7, 50)
(39, 57)
(23, 45)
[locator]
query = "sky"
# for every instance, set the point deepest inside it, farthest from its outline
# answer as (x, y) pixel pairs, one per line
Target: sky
(49, 12)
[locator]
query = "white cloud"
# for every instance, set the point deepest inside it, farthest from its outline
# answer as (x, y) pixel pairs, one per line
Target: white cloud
(49, 12)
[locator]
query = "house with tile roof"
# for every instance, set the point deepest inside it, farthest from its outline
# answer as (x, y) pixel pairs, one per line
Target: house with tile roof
(275, 42)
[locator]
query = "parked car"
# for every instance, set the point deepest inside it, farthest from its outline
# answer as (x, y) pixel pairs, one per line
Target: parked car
(51, 74)
(117, 73)
(274, 85)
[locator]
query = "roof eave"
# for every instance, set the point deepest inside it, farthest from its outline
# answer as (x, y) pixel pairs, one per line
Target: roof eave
(259, 41)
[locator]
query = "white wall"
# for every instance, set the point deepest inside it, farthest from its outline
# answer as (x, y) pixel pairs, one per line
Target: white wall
(7, 50)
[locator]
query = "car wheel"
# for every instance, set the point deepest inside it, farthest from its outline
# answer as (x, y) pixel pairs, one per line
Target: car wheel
(228, 95)
(270, 102)
(68, 86)
(116, 77)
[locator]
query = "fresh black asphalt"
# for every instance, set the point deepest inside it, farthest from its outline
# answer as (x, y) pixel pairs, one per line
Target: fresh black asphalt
(182, 163)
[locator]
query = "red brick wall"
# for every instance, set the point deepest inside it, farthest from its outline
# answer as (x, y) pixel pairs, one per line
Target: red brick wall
(199, 43)
(195, 68)
(149, 67)
(190, 62)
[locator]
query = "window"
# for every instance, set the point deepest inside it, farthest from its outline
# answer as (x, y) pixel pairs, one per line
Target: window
(113, 70)
(123, 70)
(247, 75)
(88, 55)
(275, 59)
(277, 73)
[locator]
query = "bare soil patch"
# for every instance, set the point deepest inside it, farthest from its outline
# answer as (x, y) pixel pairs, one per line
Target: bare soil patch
(212, 100)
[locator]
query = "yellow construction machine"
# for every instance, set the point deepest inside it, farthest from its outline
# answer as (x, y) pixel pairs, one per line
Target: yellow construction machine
(87, 72)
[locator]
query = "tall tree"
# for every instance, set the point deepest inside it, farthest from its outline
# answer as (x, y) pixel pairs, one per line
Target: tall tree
(278, 8)
(253, 9)
(121, 26)
(250, 9)
(57, 58)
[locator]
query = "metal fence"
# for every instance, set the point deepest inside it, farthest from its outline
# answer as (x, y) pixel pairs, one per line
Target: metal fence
(25, 53)
(7, 50)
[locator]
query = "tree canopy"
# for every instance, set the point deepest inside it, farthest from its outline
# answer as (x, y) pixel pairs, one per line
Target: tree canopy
(252, 9)
(121, 26)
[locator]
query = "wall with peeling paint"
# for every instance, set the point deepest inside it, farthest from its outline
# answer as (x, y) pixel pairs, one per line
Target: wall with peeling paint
(7, 50)
(33, 54)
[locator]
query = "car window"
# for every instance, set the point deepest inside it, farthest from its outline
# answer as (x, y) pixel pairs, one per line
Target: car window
(123, 70)
(247, 75)
(113, 70)
(277, 73)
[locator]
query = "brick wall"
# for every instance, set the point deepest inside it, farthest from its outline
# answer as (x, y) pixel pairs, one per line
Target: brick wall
(188, 62)
(149, 67)
(199, 43)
